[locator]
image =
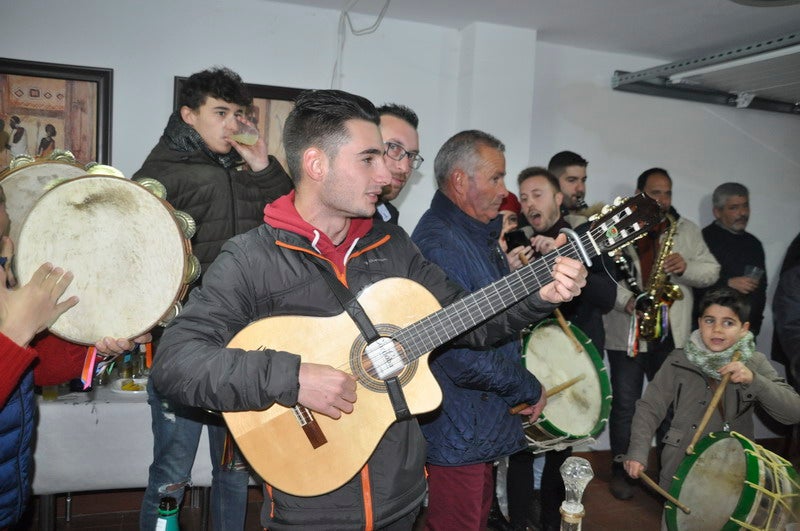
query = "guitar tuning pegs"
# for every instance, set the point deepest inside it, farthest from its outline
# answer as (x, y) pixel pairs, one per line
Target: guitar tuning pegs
(619, 200)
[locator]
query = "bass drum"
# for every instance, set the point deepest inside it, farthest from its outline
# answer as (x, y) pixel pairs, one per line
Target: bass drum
(731, 483)
(127, 248)
(581, 410)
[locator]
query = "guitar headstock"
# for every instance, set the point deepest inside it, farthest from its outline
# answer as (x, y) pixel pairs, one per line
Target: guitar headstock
(625, 221)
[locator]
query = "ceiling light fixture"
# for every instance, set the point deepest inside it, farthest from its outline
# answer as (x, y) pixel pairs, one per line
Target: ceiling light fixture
(766, 3)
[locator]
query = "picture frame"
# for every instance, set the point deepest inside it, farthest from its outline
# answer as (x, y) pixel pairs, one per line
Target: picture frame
(58, 106)
(271, 105)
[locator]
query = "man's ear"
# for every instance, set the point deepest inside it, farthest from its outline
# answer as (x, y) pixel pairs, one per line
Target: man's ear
(188, 115)
(315, 163)
(459, 181)
(559, 199)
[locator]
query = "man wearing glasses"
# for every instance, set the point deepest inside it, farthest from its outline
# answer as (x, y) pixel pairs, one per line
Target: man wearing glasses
(400, 138)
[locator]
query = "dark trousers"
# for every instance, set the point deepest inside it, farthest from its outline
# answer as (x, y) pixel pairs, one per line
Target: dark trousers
(519, 488)
(627, 379)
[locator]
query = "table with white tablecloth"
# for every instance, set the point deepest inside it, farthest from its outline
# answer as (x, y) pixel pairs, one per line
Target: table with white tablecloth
(100, 440)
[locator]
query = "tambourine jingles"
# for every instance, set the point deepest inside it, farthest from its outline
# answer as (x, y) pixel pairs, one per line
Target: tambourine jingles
(127, 248)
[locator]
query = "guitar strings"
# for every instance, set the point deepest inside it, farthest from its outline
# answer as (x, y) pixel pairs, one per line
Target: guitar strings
(441, 326)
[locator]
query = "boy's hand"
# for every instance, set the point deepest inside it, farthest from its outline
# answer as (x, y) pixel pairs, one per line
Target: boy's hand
(633, 468)
(738, 371)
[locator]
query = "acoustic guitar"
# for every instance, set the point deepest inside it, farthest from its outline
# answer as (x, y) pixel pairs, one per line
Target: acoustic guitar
(308, 454)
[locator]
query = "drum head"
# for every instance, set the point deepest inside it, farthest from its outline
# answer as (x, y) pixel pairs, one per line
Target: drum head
(23, 186)
(123, 246)
(729, 481)
(582, 409)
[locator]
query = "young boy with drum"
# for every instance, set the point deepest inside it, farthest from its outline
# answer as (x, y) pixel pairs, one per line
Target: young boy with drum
(689, 378)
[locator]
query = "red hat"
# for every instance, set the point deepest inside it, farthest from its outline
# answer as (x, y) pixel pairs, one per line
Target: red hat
(511, 203)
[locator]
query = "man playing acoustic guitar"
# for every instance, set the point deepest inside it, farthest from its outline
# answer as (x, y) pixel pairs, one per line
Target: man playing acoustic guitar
(316, 239)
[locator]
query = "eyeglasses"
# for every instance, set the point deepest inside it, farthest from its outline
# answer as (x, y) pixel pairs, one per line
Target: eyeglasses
(397, 152)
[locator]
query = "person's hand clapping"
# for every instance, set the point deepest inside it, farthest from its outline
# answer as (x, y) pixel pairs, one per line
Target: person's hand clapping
(28, 310)
(326, 390)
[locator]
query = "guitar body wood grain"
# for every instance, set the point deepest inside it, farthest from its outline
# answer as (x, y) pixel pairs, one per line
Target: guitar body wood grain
(273, 441)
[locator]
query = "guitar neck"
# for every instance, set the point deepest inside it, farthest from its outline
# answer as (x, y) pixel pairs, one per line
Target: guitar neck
(449, 322)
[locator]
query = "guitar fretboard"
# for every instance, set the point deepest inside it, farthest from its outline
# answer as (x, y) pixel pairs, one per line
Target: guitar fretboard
(442, 326)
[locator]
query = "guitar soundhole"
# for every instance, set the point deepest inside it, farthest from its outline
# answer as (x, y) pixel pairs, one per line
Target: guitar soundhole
(361, 366)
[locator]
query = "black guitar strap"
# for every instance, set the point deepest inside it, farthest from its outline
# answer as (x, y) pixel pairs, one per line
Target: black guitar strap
(360, 318)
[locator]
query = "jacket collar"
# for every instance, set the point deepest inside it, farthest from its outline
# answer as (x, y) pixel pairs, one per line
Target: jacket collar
(450, 213)
(283, 215)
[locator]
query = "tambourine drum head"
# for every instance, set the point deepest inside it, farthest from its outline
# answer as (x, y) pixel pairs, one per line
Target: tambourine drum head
(23, 186)
(123, 246)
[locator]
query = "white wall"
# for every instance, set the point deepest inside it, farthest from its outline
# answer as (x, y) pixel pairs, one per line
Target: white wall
(702, 146)
(484, 76)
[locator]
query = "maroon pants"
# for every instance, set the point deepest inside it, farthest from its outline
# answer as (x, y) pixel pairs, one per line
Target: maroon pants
(459, 497)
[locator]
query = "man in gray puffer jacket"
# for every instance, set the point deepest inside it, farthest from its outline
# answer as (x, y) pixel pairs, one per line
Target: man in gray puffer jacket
(335, 155)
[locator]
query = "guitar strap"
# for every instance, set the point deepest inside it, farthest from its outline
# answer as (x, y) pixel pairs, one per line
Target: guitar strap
(361, 319)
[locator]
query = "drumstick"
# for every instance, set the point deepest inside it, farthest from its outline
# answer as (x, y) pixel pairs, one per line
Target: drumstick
(655, 486)
(567, 330)
(711, 406)
(550, 392)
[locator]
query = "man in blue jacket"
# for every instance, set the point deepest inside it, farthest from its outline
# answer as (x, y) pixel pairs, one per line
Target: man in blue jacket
(473, 427)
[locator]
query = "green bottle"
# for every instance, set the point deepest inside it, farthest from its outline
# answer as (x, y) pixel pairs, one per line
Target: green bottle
(167, 515)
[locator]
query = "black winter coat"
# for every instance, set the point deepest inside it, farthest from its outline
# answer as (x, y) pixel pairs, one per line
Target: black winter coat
(266, 272)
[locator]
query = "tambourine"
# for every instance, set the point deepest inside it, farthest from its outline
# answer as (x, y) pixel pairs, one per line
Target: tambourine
(127, 248)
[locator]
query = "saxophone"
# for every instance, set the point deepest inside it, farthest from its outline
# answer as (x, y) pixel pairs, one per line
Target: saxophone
(654, 302)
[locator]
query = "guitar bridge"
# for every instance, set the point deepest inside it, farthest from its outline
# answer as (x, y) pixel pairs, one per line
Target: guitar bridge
(310, 426)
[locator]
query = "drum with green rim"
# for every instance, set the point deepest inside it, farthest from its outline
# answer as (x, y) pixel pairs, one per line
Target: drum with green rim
(581, 410)
(731, 483)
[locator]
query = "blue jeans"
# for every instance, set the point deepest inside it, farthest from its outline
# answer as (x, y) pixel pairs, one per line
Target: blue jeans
(627, 379)
(176, 435)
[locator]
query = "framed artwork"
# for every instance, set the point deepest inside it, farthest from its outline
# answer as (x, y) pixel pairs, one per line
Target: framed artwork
(271, 105)
(47, 106)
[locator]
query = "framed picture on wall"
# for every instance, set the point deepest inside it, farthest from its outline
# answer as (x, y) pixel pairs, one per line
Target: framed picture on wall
(47, 106)
(271, 105)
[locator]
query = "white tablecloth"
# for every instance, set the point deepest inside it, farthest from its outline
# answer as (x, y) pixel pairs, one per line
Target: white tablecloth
(99, 441)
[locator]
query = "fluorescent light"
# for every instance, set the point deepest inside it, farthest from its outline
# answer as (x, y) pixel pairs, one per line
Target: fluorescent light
(750, 59)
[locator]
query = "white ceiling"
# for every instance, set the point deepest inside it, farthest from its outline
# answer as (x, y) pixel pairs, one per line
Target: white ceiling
(669, 30)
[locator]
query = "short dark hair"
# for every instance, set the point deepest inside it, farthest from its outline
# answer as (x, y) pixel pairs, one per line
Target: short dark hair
(538, 171)
(727, 190)
(641, 181)
(729, 298)
(563, 160)
(219, 82)
(319, 119)
(50, 129)
(400, 111)
(461, 150)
